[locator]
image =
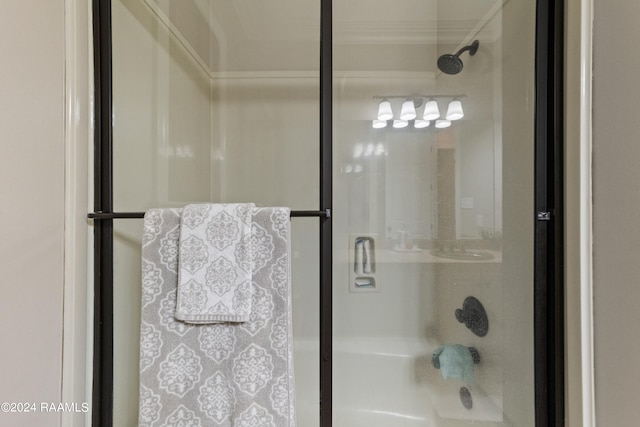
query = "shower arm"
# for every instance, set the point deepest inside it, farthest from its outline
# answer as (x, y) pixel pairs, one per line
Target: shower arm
(473, 48)
(463, 50)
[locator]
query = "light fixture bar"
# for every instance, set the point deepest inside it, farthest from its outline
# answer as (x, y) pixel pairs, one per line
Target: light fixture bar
(413, 96)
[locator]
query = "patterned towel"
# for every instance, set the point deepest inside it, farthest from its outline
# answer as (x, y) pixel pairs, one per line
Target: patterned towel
(231, 375)
(214, 269)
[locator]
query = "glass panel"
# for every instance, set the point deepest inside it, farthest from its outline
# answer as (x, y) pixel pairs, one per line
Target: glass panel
(427, 215)
(215, 101)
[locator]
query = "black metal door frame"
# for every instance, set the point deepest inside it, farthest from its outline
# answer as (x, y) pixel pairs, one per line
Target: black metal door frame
(549, 244)
(549, 215)
(102, 399)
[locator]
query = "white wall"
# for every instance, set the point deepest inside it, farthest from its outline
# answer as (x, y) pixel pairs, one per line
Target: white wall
(32, 205)
(616, 186)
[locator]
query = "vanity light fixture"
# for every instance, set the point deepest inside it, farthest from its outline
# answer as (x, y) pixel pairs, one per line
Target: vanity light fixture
(384, 110)
(410, 103)
(455, 112)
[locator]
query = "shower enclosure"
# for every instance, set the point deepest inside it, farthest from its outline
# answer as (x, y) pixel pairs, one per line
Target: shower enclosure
(426, 269)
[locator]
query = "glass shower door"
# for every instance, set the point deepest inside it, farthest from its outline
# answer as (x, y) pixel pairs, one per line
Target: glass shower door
(433, 188)
(433, 194)
(215, 101)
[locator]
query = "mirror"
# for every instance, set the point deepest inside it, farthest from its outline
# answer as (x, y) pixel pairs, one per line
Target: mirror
(477, 187)
(443, 184)
(423, 185)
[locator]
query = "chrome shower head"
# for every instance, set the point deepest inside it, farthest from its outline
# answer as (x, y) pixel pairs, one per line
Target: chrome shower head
(452, 64)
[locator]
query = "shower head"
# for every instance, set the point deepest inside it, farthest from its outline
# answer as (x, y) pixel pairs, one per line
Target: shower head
(452, 64)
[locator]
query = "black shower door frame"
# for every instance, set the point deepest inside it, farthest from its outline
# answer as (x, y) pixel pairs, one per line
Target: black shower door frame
(548, 289)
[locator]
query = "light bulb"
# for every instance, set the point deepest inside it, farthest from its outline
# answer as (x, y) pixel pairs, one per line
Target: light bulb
(398, 124)
(408, 111)
(419, 124)
(379, 124)
(441, 124)
(384, 110)
(431, 110)
(454, 112)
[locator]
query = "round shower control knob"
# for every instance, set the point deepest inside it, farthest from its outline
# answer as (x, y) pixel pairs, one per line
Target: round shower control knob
(466, 398)
(473, 316)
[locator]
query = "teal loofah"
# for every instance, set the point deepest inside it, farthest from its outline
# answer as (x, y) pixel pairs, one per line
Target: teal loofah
(455, 362)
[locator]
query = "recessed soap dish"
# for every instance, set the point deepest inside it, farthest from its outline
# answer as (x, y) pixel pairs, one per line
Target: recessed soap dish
(362, 263)
(365, 283)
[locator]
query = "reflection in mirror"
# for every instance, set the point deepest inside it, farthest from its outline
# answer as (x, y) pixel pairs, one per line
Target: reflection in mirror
(434, 184)
(476, 186)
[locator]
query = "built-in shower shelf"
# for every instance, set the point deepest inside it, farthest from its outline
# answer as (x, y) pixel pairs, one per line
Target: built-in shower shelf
(426, 257)
(446, 401)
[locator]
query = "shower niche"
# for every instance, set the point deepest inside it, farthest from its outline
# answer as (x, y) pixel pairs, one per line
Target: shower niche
(362, 262)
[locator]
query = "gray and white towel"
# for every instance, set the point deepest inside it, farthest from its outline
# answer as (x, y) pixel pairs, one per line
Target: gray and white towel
(214, 269)
(226, 374)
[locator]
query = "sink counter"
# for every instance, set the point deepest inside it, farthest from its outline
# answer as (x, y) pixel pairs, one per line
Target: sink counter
(426, 257)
